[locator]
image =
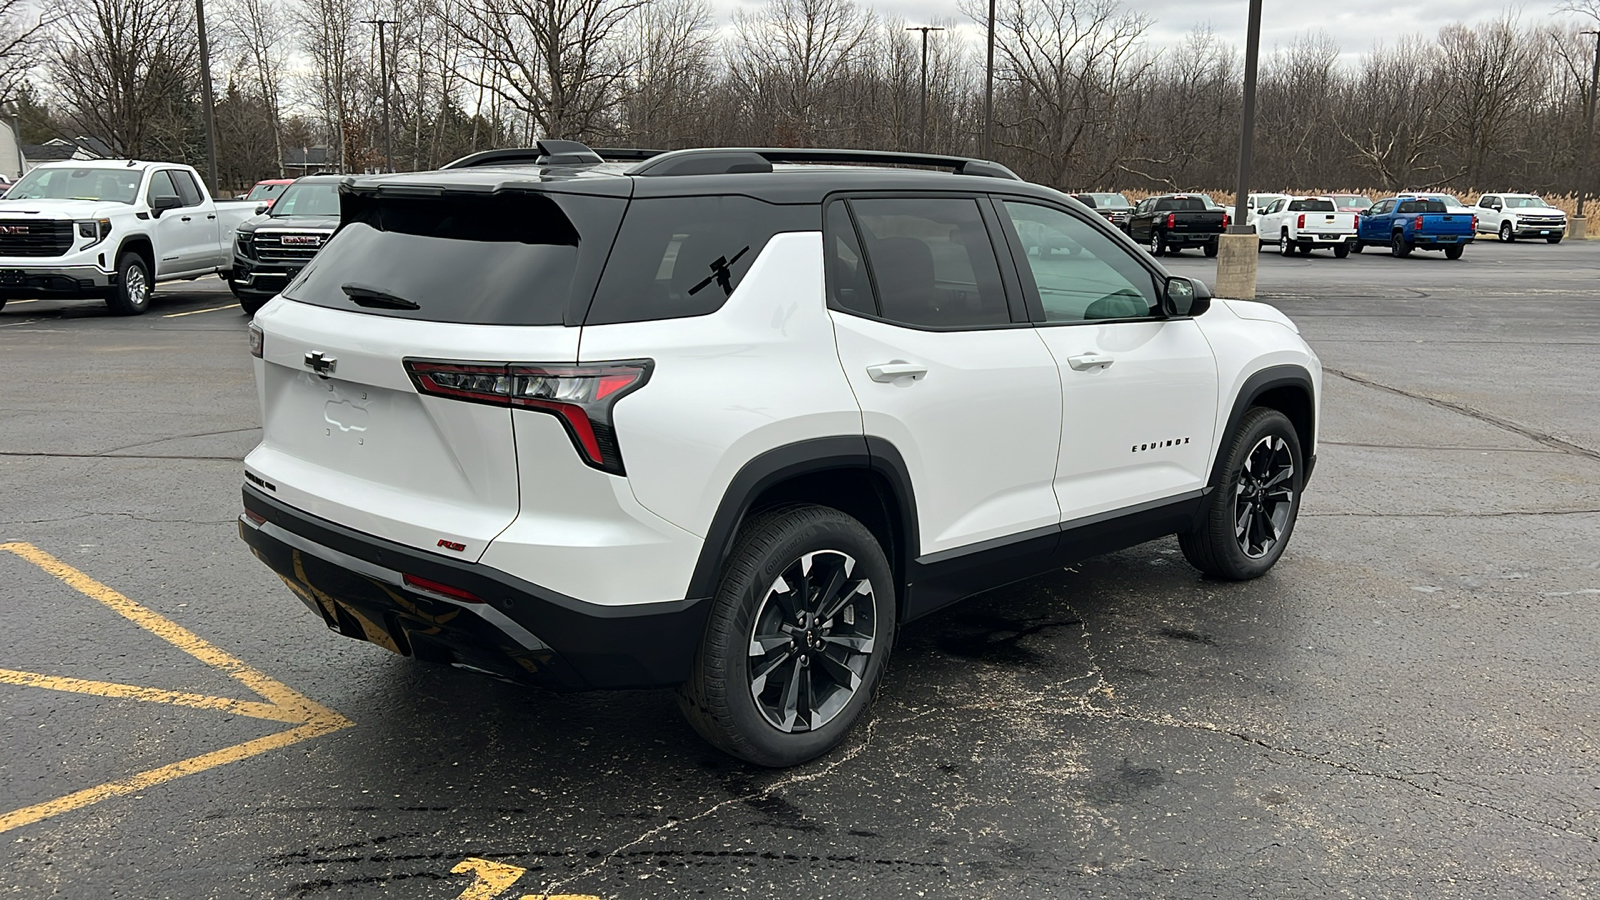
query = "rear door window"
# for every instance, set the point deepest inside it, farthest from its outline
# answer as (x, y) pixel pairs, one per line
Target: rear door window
(513, 258)
(932, 262)
(684, 256)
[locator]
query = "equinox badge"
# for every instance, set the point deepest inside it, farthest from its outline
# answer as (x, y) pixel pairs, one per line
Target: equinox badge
(321, 363)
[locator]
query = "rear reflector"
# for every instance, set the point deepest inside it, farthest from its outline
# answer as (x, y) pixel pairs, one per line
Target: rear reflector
(434, 587)
(582, 397)
(255, 517)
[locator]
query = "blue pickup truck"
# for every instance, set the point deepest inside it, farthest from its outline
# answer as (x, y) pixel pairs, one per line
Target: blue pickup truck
(1408, 223)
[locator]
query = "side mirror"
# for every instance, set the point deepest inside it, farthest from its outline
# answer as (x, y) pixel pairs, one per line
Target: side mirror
(1184, 297)
(163, 203)
(261, 208)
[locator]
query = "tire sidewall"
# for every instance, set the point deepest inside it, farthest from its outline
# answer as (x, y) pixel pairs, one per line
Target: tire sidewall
(121, 303)
(1155, 243)
(801, 530)
(1506, 234)
(1257, 425)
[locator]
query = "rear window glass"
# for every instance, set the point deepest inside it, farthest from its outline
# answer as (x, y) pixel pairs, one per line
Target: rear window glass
(505, 259)
(1423, 206)
(1311, 206)
(1181, 204)
(684, 256)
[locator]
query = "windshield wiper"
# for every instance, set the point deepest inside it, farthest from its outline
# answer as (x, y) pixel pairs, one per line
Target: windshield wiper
(376, 299)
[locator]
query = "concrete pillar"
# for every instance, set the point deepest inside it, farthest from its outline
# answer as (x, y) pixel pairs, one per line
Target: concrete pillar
(1576, 227)
(1236, 266)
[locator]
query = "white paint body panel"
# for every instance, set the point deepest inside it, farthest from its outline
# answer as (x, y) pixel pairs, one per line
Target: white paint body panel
(1321, 227)
(1248, 337)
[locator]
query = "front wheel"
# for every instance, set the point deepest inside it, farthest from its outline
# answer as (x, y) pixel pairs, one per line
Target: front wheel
(1251, 514)
(1506, 234)
(251, 303)
(131, 296)
(797, 640)
(1553, 240)
(1399, 247)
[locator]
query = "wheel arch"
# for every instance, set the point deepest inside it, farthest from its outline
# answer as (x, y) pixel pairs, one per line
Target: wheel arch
(1288, 389)
(140, 244)
(863, 477)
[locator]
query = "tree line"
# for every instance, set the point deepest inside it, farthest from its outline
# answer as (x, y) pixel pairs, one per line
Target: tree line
(1083, 98)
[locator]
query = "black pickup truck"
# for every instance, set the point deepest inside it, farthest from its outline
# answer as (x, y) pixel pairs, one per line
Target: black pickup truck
(1171, 222)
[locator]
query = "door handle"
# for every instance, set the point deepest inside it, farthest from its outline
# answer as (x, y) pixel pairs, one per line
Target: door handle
(1086, 361)
(890, 371)
(186, 219)
(212, 216)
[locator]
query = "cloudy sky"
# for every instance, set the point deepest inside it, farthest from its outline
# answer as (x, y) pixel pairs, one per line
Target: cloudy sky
(1354, 24)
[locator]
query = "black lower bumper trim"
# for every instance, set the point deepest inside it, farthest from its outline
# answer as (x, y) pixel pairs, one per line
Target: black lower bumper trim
(522, 632)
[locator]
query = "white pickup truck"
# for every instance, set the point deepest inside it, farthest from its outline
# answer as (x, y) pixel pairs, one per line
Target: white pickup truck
(1513, 216)
(1304, 224)
(112, 229)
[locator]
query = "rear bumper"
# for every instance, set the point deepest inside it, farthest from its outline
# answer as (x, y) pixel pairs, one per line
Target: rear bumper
(521, 632)
(1439, 242)
(1185, 239)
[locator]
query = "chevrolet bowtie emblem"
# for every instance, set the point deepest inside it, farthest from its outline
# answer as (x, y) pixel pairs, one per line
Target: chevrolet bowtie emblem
(321, 363)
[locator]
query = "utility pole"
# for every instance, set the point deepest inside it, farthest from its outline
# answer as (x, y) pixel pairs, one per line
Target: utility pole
(1582, 224)
(922, 130)
(383, 73)
(988, 93)
(1238, 249)
(207, 97)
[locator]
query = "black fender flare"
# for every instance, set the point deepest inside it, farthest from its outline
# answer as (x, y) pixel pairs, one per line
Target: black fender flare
(780, 464)
(1270, 378)
(142, 244)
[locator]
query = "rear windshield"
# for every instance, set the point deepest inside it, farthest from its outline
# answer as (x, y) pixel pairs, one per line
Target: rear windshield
(1311, 206)
(684, 256)
(1181, 204)
(1423, 206)
(502, 259)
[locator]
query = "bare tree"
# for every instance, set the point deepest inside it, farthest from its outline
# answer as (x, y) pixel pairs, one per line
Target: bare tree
(790, 59)
(22, 33)
(260, 31)
(327, 31)
(672, 47)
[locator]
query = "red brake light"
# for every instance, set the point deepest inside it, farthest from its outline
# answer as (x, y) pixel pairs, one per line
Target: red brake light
(434, 587)
(1302, 222)
(1226, 221)
(1417, 224)
(1474, 223)
(580, 396)
(1172, 220)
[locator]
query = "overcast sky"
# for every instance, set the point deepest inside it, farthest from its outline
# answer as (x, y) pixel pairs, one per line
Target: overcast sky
(1354, 24)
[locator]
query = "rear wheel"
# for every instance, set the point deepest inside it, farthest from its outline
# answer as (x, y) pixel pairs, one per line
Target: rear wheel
(131, 296)
(1399, 246)
(798, 638)
(1285, 246)
(1341, 251)
(1357, 246)
(1156, 247)
(1211, 249)
(1251, 514)
(1454, 252)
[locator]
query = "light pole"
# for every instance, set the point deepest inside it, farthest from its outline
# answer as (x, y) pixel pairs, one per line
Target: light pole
(922, 129)
(383, 73)
(1238, 249)
(988, 93)
(1581, 224)
(206, 96)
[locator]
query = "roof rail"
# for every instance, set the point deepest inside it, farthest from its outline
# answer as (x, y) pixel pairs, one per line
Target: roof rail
(626, 154)
(727, 160)
(542, 153)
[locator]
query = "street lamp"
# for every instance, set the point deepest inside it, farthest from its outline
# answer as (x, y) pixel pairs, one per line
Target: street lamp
(922, 130)
(1238, 249)
(383, 70)
(1588, 137)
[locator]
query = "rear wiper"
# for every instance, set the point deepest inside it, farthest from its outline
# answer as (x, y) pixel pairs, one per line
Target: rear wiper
(374, 298)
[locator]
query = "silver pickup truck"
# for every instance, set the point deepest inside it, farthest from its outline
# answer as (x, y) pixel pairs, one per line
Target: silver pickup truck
(112, 229)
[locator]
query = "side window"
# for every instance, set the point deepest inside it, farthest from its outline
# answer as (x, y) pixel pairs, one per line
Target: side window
(685, 256)
(186, 187)
(1273, 207)
(932, 262)
(1486, 202)
(161, 186)
(1081, 274)
(849, 286)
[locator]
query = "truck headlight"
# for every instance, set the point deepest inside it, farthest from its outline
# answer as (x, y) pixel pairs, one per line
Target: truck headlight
(94, 231)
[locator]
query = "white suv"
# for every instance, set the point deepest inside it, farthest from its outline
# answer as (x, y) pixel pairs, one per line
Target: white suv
(726, 419)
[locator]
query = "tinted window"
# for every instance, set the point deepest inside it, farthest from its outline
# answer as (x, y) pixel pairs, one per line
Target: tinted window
(684, 256)
(504, 259)
(1180, 204)
(161, 186)
(187, 189)
(1311, 206)
(264, 191)
(849, 286)
(314, 199)
(1080, 273)
(1085, 199)
(932, 262)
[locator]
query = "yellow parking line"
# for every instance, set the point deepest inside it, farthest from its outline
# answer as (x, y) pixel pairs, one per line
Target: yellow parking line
(196, 312)
(283, 704)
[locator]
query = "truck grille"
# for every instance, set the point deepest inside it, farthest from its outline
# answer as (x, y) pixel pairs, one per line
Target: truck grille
(23, 237)
(288, 246)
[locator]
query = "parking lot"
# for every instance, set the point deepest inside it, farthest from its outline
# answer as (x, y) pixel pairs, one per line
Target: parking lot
(1405, 706)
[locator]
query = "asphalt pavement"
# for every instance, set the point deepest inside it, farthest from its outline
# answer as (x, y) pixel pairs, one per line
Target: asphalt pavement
(1404, 707)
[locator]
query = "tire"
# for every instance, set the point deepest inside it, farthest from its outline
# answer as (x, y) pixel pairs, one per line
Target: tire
(1399, 247)
(1341, 251)
(748, 715)
(1265, 439)
(251, 303)
(1155, 246)
(1357, 246)
(1285, 246)
(1554, 240)
(1506, 234)
(131, 296)
(1454, 252)
(1211, 249)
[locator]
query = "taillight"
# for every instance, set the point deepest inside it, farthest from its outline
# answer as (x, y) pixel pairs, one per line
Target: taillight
(1226, 221)
(434, 587)
(258, 340)
(1302, 222)
(1172, 220)
(582, 397)
(1474, 223)
(1417, 224)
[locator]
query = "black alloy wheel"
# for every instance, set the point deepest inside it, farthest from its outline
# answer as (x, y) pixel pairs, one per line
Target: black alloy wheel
(1340, 251)
(1399, 247)
(1357, 246)
(1454, 252)
(1264, 496)
(1250, 514)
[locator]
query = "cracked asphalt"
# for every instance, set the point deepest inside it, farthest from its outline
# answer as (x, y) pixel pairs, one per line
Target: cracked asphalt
(1404, 707)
